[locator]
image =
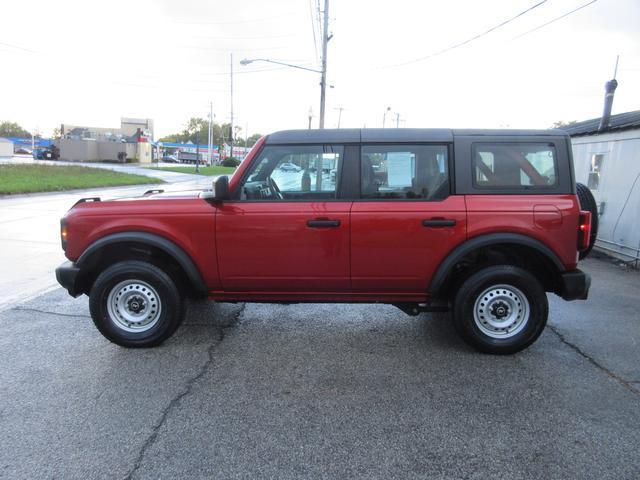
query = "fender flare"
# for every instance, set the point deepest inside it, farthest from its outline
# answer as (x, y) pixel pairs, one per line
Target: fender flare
(167, 246)
(468, 246)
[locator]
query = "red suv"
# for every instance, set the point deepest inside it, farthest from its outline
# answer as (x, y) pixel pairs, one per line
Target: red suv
(482, 223)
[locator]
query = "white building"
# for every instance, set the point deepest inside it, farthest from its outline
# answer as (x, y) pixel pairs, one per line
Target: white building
(607, 160)
(6, 147)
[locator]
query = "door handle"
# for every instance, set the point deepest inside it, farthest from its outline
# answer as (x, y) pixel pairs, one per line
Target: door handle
(323, 223)
(439, 222)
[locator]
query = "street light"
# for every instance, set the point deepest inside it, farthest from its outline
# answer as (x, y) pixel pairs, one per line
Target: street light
(323, 81)
(384, 116)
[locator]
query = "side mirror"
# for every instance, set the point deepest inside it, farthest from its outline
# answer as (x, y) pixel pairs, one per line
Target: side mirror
(219, 190)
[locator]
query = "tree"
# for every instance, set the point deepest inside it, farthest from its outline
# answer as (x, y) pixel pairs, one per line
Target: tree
(198, 127)
(251, 141)
(12, 129)
(562, 123)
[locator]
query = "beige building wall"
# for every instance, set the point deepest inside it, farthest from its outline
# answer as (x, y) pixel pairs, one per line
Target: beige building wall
(144, 152)
(6, 148)
(78, 150)
(108, 151)
(97, 151)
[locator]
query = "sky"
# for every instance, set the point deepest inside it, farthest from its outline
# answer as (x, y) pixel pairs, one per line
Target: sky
(92, 62)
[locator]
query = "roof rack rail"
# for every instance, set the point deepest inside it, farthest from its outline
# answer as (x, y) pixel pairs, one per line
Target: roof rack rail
(87, 199)
(152, 191)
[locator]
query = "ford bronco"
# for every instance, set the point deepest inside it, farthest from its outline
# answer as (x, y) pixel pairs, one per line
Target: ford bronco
(481, 223)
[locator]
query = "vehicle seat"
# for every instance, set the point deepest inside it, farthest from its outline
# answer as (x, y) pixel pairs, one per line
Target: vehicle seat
(368, 186)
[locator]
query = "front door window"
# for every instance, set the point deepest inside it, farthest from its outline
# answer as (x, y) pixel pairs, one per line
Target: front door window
(297, 172)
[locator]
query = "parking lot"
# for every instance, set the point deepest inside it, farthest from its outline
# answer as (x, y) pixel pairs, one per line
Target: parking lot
(323, 391)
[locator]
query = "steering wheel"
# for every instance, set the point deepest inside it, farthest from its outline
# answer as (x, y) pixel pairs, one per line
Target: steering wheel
(274, 188)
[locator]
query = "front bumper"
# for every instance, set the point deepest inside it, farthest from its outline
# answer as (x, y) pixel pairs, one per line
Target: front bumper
(574, 285)
(67, 276)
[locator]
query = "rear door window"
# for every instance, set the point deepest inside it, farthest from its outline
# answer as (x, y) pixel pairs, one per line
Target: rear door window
(404, 172)
(514, 165)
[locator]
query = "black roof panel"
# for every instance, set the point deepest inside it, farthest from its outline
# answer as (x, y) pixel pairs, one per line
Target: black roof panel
(621, 121)
(406, 135)
(384, 135)
(329, 135)
(508, 132)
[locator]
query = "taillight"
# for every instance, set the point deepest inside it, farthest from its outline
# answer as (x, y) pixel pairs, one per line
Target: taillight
(584, 230)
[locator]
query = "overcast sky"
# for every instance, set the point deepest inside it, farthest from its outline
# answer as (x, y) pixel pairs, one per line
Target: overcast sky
(91, 62)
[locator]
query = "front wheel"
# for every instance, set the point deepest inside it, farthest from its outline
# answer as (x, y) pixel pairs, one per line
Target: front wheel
(135, 304)
(500, 309)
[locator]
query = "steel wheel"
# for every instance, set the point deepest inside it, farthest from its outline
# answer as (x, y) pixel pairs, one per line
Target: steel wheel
(134, 306)
(501, 311)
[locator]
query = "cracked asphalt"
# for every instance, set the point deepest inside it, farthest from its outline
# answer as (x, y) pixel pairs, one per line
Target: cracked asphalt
(323, 391)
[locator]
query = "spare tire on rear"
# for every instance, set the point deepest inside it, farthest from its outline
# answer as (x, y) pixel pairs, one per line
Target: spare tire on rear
(588, 203)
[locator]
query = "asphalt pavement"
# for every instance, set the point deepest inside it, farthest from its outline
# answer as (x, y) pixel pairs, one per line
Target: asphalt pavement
(323, 391)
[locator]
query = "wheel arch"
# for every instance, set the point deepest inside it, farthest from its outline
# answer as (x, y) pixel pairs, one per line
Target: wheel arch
(95, 253)
(442, 278)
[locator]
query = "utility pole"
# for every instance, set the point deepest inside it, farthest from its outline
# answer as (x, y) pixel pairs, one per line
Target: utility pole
(323, 78)
(210, 132)
(310, 116)
(340, 109)
(197, 153)
(231, 125)
(397, 120)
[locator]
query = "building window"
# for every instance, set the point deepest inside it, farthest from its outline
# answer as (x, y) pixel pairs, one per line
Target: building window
(597, 160)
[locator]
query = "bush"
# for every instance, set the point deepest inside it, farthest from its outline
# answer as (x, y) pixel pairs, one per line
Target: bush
(230, 162)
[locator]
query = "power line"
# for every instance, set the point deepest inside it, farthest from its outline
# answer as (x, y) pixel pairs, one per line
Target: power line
(262, 37)
(217, 49)
(234, 22)
(555, 19)
(313, 28)
(17, 47)
(469, 40)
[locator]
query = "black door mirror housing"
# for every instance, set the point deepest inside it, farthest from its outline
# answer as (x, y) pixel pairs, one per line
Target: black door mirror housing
(221, 189)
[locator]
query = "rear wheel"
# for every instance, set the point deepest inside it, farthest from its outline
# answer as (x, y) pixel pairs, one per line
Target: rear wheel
(588, 203)
(135, 304)
(500, 309)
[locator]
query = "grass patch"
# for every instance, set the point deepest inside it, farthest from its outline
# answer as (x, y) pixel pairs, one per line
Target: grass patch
(52, 178)
(209, 171)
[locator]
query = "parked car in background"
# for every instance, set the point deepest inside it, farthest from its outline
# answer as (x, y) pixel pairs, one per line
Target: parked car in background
(46, 153)
(289, 167)
(467, 221)
(171, 158)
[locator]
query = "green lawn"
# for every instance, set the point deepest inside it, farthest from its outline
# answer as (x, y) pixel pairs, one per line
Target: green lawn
(51, 178)
(215, 170)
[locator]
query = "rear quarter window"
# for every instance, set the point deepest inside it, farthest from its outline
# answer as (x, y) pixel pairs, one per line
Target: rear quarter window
(529, 166)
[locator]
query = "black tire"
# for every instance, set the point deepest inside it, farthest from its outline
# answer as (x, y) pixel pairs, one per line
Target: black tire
(131, 279)
(514, 282)
(588, 202)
